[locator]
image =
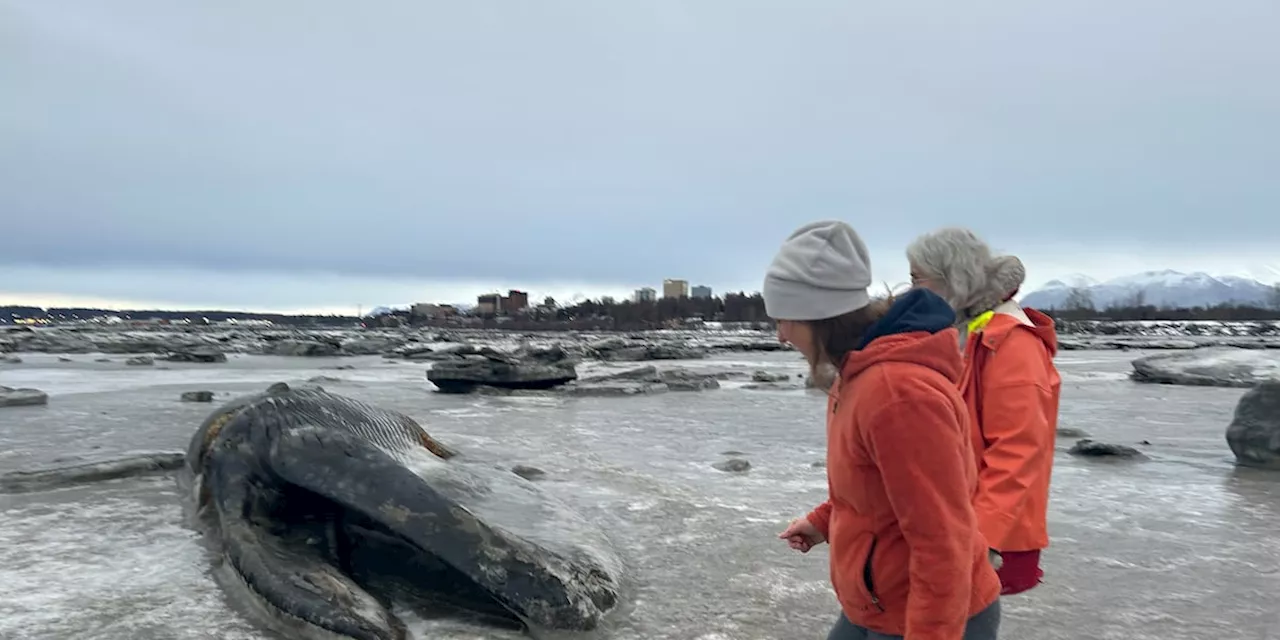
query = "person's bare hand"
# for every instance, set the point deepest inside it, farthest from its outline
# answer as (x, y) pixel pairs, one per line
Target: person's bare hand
(802, 535)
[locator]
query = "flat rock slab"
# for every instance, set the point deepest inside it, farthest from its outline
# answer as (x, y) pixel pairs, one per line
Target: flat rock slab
(10, 397)
(1254, 432)
(733, 465)
(646, 379)
(616, 388)
(197, 354)
(1211, 366)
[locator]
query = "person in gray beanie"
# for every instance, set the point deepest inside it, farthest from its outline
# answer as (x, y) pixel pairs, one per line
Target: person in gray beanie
(907, 559)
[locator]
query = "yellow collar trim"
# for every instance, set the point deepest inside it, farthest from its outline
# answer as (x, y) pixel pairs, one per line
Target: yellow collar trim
(978, 323)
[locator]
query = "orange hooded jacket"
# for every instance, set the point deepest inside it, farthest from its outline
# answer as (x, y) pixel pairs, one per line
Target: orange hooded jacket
(1012, 389)
(907, 558)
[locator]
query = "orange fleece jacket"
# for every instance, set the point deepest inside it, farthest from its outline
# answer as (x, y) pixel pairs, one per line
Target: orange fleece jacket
(907, 557)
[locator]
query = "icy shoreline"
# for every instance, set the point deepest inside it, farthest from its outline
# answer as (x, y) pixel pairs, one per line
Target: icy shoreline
(192, 343)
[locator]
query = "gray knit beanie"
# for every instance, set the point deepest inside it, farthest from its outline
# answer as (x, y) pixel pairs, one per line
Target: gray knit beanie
(821, 271)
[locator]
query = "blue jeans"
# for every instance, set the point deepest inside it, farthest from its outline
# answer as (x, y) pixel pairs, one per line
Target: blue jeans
(983, 626)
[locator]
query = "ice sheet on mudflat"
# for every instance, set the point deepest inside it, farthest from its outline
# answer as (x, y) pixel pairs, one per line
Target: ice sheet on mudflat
(1211, 366)
(85, 374)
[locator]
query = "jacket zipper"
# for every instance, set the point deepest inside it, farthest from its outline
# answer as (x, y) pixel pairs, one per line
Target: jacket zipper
(866, 577)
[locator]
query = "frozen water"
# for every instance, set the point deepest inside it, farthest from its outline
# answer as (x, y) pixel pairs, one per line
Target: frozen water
(1181, 546)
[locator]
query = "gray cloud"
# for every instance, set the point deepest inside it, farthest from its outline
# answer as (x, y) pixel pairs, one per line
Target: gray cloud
(600, 143)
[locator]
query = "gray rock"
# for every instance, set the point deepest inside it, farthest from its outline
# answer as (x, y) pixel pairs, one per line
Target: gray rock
(765, 376)
(527, 472)
(761, 345)
(616, 388)
(410, 351)
(11, 360)
(1094, 449)
(1071, 432)
(371, 345)
(1210, 366)
(772, 386)
(647, 373)
(653, 379)
(733, 465)
(197, 354)
(622, 350)
(521, 370)
(685, 380)
(1254, 432)
(303, 348)
(454, 352)
(197, 396)
(22, 397)
(140, 361)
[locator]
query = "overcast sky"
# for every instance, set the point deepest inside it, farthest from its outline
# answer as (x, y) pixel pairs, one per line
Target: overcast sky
(324, 155)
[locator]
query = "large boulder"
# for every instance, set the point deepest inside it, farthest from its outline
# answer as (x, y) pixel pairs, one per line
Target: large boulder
(1210, 366)
(522, 369)
(10, 397)
(1254, 432)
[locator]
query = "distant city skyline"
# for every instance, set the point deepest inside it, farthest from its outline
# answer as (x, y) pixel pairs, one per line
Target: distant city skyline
(369, 294)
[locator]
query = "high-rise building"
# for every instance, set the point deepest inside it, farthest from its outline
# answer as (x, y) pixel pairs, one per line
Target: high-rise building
(515, 301)
(675, 288)
(646, 294)
(488, 304)
(700, 291)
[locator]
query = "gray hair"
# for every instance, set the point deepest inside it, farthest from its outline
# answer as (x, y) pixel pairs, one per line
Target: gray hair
(971, 280)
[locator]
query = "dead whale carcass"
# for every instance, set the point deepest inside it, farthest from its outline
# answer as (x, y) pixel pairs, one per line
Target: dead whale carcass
(312, 500)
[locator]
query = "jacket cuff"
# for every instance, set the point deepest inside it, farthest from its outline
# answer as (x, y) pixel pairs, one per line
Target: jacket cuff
(820, 518)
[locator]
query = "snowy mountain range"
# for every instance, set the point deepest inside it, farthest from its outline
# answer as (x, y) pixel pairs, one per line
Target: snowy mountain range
(1159, 288)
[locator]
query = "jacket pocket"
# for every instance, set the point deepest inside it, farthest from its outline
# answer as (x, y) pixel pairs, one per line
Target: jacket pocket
(868, 579)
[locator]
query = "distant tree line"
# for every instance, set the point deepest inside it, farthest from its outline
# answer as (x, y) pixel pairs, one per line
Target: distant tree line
(608, 314)
(12, 314)
(1079, 306)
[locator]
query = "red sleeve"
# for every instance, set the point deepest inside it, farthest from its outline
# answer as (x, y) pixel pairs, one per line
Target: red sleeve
(820, 518)
(917, 444)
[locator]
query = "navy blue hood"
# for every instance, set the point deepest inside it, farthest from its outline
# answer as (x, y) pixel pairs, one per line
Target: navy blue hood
(917, 310)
